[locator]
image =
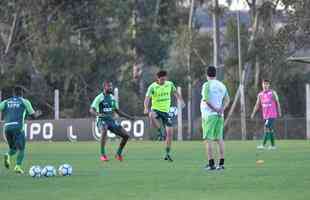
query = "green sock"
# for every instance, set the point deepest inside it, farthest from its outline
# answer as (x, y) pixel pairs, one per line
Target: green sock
(12, 152)
(266, 137)
(102, 151)
(272, 138)
(119, 151)
(20, 157)
(167, 150)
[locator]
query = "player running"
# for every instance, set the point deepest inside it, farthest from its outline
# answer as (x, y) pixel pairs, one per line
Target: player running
(15, 110)
(103, 107)
(160, 93)
(214, 101)
(268, 101)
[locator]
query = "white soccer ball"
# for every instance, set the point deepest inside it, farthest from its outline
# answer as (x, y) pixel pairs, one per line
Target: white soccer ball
(48, 171)
(173, 112)
(65, 170)
(35, 171)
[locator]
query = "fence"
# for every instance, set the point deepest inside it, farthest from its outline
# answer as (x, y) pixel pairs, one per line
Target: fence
(83, 129)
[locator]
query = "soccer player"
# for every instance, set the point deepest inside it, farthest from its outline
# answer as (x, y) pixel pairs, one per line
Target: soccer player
(103, 108)
(160, 93)
(215, 100)
(15, 109)
(268, 101)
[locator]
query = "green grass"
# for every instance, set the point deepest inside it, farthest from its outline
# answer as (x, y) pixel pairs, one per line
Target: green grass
(144, 175)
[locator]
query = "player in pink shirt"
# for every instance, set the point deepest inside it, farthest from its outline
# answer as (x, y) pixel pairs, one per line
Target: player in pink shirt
(268, 101)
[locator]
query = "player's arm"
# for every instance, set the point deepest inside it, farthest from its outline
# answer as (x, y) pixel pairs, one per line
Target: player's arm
(94, 108)
(256, 107)
(179, 97)
(276, 97)
(31, 112)
(147, 99)
(2, 105)
(226, 102)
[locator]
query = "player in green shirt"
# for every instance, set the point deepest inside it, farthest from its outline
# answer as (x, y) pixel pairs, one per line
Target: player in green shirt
(160, 93)
(103, 108)
(15, 110)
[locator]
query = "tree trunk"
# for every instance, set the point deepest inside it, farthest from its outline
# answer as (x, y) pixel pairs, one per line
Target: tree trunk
(216, 40)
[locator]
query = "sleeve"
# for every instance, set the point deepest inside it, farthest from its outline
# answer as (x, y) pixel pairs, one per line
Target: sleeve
(96, 102)
(115, 104)
(28, 106)
(205, 91)
(149, 91)
(2, 105)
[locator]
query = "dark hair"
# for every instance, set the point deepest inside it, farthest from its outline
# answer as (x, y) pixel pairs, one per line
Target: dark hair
(266, 80)
(211, 71)
(17, 91)
(161, 73)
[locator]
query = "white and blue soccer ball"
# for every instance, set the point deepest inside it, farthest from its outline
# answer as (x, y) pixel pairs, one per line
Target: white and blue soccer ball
(173, 112)
(35, 171)
(48, 171)
(65, 170)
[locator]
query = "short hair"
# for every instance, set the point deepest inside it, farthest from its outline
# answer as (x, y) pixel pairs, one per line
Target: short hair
(161, 73)
(266, 81)
(17, 91)
(106, 82)
(211, 71)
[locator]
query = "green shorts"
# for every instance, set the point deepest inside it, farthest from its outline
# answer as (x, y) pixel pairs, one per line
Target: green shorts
(15, 138)
(164, 117)
(269, 123)
(109, 124)
(213, 127)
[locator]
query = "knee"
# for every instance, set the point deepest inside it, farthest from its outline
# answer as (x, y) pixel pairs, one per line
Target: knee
(126, 137)
(152, 115)
(103, 134)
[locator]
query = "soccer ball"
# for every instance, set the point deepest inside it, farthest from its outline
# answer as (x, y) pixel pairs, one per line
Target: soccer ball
(65, 170)
(35, 171)
(173, 112)
(48, 171)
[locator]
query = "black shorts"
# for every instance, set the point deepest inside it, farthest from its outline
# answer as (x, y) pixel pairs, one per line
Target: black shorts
(164, 117)
(109, 124)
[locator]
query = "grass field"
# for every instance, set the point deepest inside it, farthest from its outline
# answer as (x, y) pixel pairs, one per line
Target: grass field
(144, 175)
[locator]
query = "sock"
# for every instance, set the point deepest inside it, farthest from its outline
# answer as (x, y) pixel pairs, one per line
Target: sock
(211, 162)
(119, 151)
(102, 151)
(221, 161)
(12, 152)
(20, 157)
(272, 138)
(266, 138)
(167, 150)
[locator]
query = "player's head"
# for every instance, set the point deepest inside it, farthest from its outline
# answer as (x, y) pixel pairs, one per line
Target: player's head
(161, 76)
(17, 91)
(266, 84)
(107, 87)
(211, 72)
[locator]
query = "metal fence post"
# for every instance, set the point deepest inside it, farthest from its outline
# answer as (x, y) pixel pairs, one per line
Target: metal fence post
(116, 95)
(56, 104)
(180, 124)
(308, 111)
(0, 101)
